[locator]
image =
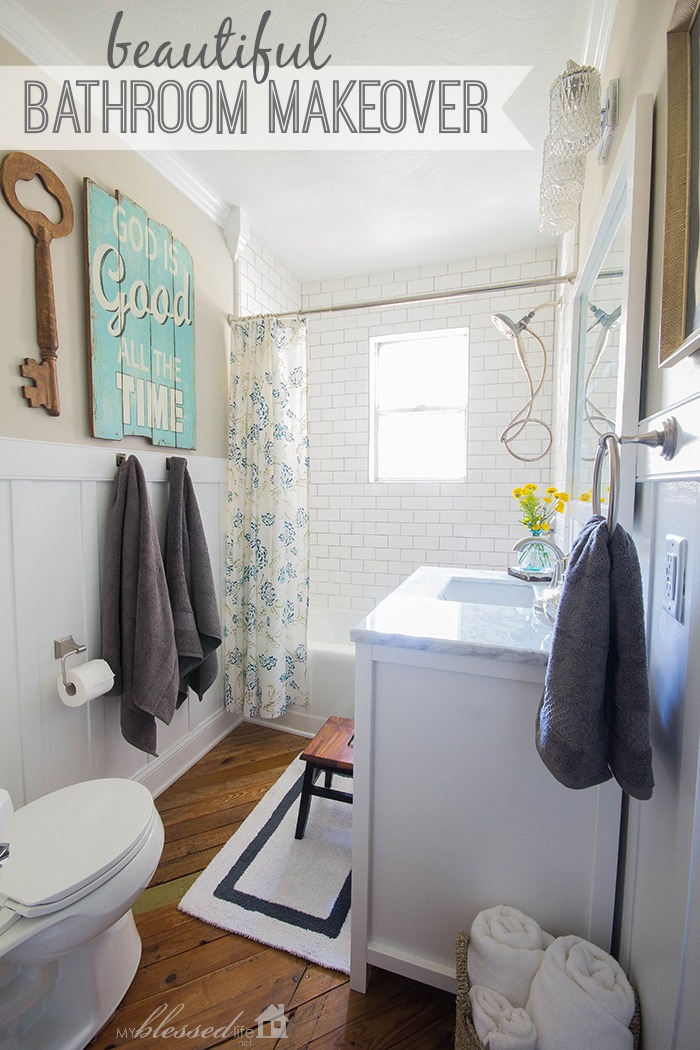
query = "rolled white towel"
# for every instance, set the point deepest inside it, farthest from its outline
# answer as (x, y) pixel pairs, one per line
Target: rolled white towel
(580, 998)
(499, 1024)
(506, 948)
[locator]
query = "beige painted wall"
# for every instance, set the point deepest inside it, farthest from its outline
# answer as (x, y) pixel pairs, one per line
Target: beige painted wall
(637, 55)
(213, 275)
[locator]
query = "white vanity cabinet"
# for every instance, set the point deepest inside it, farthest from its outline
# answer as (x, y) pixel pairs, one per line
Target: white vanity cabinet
(453, 809)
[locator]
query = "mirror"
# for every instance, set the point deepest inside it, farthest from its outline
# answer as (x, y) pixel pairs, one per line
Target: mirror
(598, 376)
(608, 328)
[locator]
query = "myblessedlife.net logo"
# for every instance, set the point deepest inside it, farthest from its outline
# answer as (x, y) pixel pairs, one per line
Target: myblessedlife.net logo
(165, 1022)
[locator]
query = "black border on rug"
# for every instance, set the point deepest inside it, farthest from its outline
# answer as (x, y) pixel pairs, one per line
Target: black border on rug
(328, 926)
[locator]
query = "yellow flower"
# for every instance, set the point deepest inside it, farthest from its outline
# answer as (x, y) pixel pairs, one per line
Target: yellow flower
(585, 497)
(538, 511)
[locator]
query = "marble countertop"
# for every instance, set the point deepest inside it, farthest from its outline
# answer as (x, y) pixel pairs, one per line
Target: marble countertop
(414, 616)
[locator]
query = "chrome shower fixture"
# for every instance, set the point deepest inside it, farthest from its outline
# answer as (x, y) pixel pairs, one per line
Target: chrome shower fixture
(511, 329)
(607, 321)
(596, 418)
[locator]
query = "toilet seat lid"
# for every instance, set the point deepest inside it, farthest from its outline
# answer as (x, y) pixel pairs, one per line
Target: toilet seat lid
(69, 838)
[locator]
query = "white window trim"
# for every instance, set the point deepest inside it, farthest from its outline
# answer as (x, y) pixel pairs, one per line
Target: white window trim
(376, 342)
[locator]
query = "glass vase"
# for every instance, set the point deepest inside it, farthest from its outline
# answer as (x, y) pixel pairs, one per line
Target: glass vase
(535, 556)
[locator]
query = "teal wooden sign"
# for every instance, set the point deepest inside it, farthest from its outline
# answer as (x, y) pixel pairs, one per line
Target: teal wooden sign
(141, 324)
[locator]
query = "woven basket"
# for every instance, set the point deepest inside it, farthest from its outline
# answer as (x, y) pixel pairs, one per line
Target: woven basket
(465, 1033)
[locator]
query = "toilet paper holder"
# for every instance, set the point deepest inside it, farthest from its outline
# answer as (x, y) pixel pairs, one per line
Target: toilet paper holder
(62, 649)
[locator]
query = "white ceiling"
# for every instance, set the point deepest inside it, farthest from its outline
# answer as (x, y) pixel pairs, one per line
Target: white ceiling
(332, 214)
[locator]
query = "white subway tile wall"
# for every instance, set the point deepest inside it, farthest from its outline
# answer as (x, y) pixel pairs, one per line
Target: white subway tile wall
(265, 286)
(368, 537)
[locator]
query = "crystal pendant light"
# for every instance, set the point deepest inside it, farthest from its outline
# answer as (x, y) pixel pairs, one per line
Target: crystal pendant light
(563, 172)
(574, 129)
(574, 107)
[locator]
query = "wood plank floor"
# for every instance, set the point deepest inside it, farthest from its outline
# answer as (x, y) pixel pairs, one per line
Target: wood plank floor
(192, 974)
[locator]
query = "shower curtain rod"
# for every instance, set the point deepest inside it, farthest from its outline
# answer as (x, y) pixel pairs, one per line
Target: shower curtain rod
(404, 300)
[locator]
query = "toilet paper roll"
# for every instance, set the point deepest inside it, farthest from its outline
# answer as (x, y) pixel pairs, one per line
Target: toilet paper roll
(85, 682)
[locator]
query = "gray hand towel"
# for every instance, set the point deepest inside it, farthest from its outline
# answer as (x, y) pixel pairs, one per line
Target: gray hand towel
(570, 731)
(138, 640)
(593, 721)
(191, 585)
(627, 701)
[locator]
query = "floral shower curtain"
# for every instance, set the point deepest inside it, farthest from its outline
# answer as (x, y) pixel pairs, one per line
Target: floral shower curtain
(267, 536)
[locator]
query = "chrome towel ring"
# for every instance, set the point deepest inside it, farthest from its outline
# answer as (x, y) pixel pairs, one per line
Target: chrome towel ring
(666, 440)
(607, 443)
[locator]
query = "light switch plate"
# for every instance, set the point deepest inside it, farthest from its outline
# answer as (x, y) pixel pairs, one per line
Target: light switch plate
(674, 575)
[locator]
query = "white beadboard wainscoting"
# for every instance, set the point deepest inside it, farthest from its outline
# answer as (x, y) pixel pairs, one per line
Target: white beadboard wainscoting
(54, 502)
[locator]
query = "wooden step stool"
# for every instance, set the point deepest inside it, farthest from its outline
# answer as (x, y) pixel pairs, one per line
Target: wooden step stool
(330, 750)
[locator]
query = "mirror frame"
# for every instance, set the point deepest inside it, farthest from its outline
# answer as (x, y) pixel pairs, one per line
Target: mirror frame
(675, 342)
(628, 193)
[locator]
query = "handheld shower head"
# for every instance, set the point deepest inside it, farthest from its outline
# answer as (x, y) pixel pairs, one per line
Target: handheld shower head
(608, 321)
(513, 330)
(592, 414)
(508, 328)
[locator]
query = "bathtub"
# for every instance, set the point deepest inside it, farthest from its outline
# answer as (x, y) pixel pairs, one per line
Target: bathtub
(331, 672)
(331, 663)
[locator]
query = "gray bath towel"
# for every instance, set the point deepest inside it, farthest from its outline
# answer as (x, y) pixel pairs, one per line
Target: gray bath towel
(593, 721)
(138, 641)
(191, 585)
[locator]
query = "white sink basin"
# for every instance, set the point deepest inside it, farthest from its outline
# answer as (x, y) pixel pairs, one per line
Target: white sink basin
(487, 592)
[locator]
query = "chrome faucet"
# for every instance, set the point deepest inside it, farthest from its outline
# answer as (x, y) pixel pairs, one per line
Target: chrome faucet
(559, 556)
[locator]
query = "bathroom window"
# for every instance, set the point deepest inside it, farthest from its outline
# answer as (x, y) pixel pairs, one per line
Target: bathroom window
(418, 388)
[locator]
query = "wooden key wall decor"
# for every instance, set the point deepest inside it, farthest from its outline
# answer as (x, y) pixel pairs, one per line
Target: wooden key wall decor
(21, 166)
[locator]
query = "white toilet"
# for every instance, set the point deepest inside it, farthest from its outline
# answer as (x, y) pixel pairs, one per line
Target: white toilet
(78, 859)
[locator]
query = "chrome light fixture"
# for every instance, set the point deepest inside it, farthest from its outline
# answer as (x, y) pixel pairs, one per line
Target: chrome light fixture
(563, 172)
(574, 107)
(574, 129)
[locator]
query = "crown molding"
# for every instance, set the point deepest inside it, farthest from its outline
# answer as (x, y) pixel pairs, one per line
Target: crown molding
(171, 168)
(29, 37)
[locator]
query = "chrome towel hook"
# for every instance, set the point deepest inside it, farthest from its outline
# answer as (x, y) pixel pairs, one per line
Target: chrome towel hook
(666, 440)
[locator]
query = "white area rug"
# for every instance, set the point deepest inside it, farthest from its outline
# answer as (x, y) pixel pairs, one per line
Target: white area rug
(284, 892)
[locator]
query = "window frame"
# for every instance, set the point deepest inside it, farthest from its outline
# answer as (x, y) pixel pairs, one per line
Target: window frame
(376, 342)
